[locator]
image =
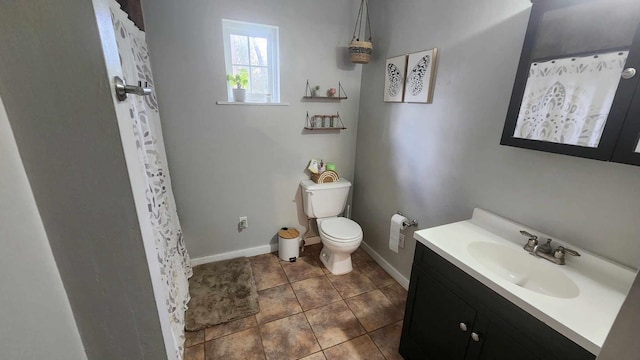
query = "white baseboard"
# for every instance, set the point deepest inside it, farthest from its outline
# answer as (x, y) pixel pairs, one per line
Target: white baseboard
(403, 281)
(258, 250)
(265, 249)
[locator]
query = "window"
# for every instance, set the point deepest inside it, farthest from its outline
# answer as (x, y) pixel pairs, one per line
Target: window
(253, 47)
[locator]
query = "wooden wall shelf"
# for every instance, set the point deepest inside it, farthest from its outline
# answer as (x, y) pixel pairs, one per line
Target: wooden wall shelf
(329, 128)
(341, 95)
(320, 122)
(326, 97)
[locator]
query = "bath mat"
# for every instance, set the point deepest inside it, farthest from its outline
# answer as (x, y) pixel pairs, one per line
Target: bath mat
(220, 292)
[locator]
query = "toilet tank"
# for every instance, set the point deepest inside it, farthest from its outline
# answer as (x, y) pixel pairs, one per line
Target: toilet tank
(324, 200)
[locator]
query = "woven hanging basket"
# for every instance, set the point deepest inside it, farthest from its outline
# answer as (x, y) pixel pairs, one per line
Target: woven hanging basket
(360, 51)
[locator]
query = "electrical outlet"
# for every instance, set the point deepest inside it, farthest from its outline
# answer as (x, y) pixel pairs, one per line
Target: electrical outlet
(401, 241)
(244, 222)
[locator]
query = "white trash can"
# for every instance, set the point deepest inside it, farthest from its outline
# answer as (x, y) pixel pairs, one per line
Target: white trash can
(288, 244)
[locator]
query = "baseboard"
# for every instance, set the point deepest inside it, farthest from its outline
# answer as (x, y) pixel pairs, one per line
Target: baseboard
(258, 250)
(386, 265)
(265, 249)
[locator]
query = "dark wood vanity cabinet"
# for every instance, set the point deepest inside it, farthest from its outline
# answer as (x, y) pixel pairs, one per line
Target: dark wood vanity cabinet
(572, 94)
(452, 316)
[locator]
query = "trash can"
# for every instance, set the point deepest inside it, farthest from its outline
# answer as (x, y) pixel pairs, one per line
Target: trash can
(288, 244)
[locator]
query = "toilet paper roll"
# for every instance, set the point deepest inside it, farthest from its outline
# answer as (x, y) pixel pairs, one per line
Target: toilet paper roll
(397, 224)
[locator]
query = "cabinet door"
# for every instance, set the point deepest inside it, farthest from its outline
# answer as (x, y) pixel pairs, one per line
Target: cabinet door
(498, 341)
(628, 146)
(432, 326)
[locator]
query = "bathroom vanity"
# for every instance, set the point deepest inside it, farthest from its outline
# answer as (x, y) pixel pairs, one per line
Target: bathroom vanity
(475, 293)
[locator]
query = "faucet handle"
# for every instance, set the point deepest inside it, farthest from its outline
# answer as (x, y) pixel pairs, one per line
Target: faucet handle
(531, 243)
(564, 250)
(530, 235)
(561, 251)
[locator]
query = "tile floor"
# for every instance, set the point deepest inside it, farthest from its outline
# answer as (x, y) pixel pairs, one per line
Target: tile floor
(308, 313)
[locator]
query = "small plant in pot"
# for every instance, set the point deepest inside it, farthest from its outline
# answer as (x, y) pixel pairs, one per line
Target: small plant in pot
(241, 81)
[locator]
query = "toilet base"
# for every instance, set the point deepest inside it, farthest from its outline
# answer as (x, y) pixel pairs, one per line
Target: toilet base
(337, 263)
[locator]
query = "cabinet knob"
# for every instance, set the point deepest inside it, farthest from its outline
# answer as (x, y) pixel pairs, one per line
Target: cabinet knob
(628, 73)
(463, 326)
(475, 336)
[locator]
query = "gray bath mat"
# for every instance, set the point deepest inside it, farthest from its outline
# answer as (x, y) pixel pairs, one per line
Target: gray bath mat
(221, 292)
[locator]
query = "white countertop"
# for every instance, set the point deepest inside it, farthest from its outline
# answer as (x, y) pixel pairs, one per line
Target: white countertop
(585, 319)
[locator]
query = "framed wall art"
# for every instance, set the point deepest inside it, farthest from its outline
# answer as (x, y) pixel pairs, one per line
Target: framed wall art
(395, 71)
(420, 78)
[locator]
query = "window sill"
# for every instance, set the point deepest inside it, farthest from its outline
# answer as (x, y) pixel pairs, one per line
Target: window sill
(252, 103)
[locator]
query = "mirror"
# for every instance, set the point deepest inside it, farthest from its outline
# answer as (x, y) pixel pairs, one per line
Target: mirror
(569, 77)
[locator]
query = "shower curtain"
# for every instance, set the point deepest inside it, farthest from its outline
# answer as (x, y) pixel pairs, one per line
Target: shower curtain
(175, 267)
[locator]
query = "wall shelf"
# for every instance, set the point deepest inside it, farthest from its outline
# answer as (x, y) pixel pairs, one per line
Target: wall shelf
(329, 128)
(325, 97)
(341, 95)
(324, 122)
(251, 103)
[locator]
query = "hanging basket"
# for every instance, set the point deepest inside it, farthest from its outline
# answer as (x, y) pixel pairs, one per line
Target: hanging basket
(360, 51)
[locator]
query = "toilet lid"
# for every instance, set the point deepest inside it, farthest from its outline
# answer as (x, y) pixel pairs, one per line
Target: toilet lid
(341, 228)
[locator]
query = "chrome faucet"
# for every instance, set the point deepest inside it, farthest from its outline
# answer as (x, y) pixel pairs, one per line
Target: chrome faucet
(545, 250)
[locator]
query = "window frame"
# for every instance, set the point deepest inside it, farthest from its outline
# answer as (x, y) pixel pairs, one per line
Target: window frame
(271, 33)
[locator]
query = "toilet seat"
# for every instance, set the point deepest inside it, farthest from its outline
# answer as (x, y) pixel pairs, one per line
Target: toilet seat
(341, 229)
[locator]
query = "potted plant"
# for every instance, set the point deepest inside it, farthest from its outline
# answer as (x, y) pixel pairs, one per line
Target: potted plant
(241, 81)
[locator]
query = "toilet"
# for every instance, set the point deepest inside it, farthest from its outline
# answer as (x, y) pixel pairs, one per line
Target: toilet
(340, 236)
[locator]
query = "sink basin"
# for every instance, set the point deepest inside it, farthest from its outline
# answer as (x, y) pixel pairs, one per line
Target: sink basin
(523, 269)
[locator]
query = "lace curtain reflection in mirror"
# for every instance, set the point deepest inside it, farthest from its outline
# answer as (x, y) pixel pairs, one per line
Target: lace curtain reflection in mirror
(567, 100)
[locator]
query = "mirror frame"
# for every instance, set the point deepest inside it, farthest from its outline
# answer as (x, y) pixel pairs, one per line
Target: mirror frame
(619, 108)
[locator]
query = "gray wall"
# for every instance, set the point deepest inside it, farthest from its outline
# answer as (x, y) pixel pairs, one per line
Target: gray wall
(58, 99)
(622, 342)
(231, 161)
(35, 317)
(437, 162)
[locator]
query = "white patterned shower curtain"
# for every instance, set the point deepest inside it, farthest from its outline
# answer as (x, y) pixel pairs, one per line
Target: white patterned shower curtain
(175, 267)
(567, 100)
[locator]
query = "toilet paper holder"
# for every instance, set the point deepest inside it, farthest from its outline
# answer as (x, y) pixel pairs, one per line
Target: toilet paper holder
(413, 222)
